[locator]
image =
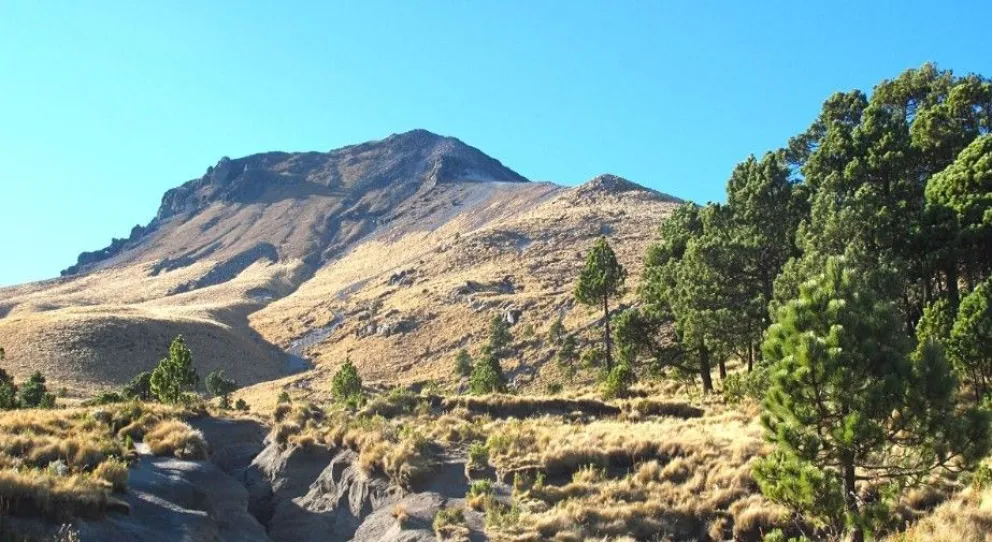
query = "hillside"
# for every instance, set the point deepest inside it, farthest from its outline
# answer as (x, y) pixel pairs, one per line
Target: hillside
(274, 261)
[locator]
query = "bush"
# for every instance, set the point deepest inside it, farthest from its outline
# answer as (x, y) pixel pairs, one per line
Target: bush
(347, 385)
(176, 438)
(554, 388)
(449, 523)
(113, 471)
(241, 405)
(107, 398)
(218, 385)
(478, 455)
(592, 357)
(740, 386)
(140, 387)
(619, 381)
(284, 398)
(487, 376)
(463, 363)
(34, 394)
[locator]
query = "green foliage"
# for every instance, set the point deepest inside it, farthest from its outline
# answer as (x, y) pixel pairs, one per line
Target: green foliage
(618, 381)
(8, 395)
(554, 388)
(284, 398)
(557, 332)
(844, 388)
(815, 493)
(528, 331)
(218, 385)
(601, 279)
(751, 386)
(8, 391)
(499, 336)
(175, 375)
(959, 202)
(140, 387)
(241, 405)
(346, 387)
(34, 394)
(107, 398)
(970, 343)
(568, 352)
(463, 363)
(478, 455)
(592, 357)
(487, 376)
(479, 488)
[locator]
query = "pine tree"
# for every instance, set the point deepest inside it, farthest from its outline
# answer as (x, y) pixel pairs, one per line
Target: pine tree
(557, 332)
(175, 375)
(346, 387)
(499, 336)
(848, 403)
(969, 345)
(487, 376)
(601, 279)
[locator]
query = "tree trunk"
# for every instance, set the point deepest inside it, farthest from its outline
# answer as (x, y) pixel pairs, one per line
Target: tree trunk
(722, 365)
(952, 286)
(750, 357)
(851, 494)
(704, 369)
(609, 346)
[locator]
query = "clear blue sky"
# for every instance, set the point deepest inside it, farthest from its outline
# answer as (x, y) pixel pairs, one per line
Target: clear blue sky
(105, 105)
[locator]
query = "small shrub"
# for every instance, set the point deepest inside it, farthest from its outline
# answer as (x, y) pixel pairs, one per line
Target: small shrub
(176, 438)
(241, 405)
(113, 471)
(592, 357)
(480, 488)
(751, 386)
(107, 398)
(478, 455)
(449, 523)
(140, 387)
(554, 388)
(463, 363)
(218, 385)
(619, 381)
(284, 398)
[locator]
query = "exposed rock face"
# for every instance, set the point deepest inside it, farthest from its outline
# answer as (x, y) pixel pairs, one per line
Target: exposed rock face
(365, 181)
(314, 495)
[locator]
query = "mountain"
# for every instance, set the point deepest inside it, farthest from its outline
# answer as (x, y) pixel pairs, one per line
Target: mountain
(392, 252)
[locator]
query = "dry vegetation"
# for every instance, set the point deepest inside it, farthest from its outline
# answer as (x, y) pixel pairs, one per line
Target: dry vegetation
(60, 464)
(582, 468)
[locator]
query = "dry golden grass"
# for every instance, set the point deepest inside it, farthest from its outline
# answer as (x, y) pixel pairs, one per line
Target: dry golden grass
(967, 517)
(59, 464)
(177, 438)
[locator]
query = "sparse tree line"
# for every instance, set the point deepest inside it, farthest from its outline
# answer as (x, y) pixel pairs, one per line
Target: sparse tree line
(173, 381)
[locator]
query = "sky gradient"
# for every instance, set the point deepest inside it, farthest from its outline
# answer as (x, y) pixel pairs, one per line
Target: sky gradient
(106, 105)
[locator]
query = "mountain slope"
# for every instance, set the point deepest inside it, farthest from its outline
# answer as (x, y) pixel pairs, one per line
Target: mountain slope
(393, 252)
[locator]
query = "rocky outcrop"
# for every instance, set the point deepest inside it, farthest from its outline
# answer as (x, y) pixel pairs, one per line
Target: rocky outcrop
(365, 183)
(315, 495)
(173, 500)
